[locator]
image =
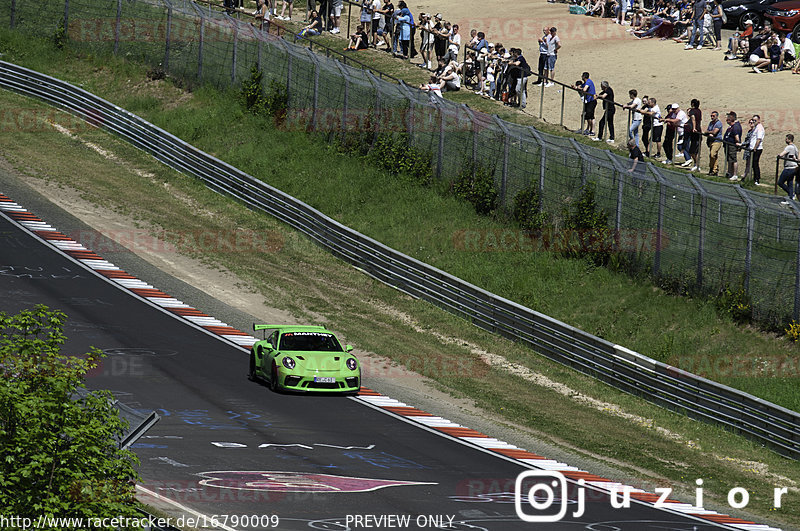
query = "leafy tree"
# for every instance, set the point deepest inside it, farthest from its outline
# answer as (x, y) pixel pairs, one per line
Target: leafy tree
(59, 451)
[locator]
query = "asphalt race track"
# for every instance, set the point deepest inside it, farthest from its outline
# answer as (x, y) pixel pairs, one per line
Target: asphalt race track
(228, 446)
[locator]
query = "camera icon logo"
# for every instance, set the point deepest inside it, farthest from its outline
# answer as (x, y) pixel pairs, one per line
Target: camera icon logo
(540, 490)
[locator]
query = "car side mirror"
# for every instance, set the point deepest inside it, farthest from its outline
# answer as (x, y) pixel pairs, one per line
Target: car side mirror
(348, 348)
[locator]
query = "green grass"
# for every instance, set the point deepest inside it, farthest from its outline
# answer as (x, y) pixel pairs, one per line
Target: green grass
(309, 283)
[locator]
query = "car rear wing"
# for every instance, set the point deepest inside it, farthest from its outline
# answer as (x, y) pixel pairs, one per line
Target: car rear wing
(257, 327)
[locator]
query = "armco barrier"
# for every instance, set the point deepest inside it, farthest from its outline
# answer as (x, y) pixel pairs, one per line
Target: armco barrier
(769, 424)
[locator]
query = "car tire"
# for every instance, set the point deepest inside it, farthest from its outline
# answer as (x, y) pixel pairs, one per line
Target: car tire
(758, 20)
(273, 380)
(251, 375)
(796, 33)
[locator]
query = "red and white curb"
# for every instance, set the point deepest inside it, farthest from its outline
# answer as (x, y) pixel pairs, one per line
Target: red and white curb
(386, 404)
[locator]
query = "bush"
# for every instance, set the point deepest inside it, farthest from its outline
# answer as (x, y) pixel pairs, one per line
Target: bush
(589, 234)
(395, 154)
(475, 183)
(526, 212)
(793, 332)
(273, 103)
(736, 303)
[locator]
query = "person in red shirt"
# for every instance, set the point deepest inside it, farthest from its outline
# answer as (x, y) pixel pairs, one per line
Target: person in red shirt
(739, 39)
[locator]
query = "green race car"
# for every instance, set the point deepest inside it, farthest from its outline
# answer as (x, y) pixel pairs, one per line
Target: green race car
(304, 358)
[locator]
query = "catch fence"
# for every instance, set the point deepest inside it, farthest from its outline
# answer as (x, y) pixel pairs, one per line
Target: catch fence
(712, 235)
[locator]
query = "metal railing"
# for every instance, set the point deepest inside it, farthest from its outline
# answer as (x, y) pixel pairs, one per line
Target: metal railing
(771, 425)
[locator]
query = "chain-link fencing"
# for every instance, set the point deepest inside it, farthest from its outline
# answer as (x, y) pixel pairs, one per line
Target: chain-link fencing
(688, 233)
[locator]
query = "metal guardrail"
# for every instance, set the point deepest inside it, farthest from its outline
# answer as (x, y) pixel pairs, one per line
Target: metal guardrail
(664, 385)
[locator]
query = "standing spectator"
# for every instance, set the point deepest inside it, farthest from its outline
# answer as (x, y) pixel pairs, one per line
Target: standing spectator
(322, 13)
(376, 20)
(609, 109)
(647, 124)
(757, 145)
(586, 88)
(440, 35)
(692, 135)
(483, 54)
(716, 21)
(364, 18)
(404, 19)
(654, 112)
(634, 106)
(543, 56)
(790, 157)
(519, 62)
(262, 15)
(336, 15)
(387, 10)
(669, 137)
(289, 3)
(453, 46)
(733, 135)
(553, 45)
(680, 129)
(426, 27)
(698, 10)
(714, 142)
(746, 144)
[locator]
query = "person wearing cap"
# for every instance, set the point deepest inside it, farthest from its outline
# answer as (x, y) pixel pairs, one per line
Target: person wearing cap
(543, 56)
(739, 40)
(553, 45)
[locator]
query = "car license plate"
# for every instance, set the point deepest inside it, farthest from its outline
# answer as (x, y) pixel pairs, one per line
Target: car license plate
(324, 379)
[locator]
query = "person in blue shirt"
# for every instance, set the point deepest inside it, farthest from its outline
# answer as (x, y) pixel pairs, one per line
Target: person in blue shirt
(586, 87)
(405, 20)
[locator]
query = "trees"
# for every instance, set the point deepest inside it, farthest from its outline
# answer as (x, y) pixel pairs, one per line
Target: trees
(59, 454)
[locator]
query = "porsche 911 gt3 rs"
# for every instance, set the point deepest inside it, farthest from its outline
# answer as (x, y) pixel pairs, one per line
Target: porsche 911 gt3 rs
(304, 358)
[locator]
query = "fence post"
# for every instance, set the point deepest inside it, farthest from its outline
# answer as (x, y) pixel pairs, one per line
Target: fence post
(582, 154)
(377, 118)
(13, 13)
(440, 148)
(346, 96)
(542, 162)
(117, 26)
(315, 95)
(410, 113)
(474, 135)
(235, 48)
(66, 17)
(506, 147)
(563, 95)
(169, 30)
(751, 223)
(701, 243)
(200, 48)
(620, 172)
(289, 61)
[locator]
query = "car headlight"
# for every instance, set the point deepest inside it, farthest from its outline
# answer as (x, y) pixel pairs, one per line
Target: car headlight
(734, 9)
(288, 362)
(791, 12)
(351, 363)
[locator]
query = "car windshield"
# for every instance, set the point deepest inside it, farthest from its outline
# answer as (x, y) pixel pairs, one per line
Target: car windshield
(310, 342)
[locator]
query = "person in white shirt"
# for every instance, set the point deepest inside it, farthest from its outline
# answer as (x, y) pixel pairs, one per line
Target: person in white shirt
(658, 126)
(635, 106)
(757, 145)
(453, 46)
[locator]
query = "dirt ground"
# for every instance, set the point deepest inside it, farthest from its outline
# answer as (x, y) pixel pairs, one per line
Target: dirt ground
(660, 69)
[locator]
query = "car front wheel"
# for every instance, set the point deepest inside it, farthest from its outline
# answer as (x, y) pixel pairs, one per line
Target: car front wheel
(796, 33)
(273, 381)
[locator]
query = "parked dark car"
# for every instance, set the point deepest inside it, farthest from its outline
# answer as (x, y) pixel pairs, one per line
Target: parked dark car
(738, 11)
(785, 17)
